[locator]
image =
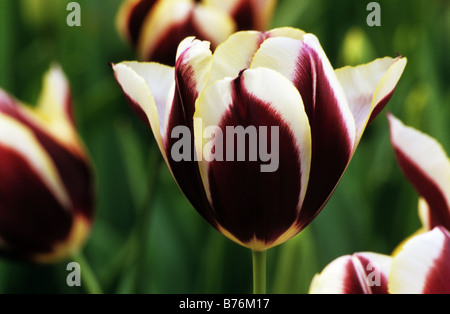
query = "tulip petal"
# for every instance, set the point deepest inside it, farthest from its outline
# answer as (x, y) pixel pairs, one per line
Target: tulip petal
(255, 208)
(131, 16)
(427, 166)
(422, 266)
(53, 113)
(147, 87)
(289, 32)
(360, 273)
(305, 64)
(369, 87)
(171, 21)
(235, 54)
(192, 68)
(249, 14)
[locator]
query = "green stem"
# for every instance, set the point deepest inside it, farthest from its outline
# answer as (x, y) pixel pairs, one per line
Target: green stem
(259, 272)
(89, 280)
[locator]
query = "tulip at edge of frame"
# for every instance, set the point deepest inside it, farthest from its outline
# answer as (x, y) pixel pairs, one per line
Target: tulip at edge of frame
(46, 179)
(421, 266)
(426, 165)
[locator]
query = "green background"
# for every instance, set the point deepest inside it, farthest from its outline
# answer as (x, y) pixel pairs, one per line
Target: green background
(146, 237)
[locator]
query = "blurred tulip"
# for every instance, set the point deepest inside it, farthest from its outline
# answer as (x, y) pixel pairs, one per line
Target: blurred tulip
(155, 27)
(281, 78)
(46, 184)
(422, 266)
(427, 167)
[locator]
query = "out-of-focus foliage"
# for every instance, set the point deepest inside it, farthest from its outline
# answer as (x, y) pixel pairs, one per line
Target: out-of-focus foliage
(146, 236)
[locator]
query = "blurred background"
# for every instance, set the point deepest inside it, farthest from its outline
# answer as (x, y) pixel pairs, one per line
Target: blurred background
(146, 236)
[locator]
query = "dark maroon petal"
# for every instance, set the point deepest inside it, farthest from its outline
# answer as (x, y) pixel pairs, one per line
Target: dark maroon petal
(438, 278)
(137, 110)
(439, 213)
(352, 283)
(136, 18)
(244, 16)
(32, 221)
(331, 144)
(249, 203)
(187, 173)
(73, 169)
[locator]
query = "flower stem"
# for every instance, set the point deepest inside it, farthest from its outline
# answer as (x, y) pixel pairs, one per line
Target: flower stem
(89, 280)
(259, 272)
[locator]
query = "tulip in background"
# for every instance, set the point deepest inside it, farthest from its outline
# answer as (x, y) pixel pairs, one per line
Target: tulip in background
(46, 180)
(427, 167)
(421, 264)
(279, 78)
(155, 27)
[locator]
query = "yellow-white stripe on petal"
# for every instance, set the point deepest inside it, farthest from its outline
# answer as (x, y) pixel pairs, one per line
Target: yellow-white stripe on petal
(289, 32)
(194, 57)
(17, 137)
(164, 15)
(367, 86)
(215, 24)
(424, 213)
(150, 86)
(422, 265)
(280, 54)
(53, 113)
(235, 54)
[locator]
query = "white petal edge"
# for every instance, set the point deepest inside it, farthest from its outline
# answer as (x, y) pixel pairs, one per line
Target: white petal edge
(150, 86)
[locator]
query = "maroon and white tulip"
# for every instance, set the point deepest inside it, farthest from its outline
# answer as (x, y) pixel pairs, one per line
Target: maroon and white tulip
(427, 167)
(360, 273)
(155, 27)
(278, 79)
(46, 183)
(421, 266)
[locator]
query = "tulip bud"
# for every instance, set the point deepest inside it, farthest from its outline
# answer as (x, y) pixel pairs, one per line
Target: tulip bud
(46, 180)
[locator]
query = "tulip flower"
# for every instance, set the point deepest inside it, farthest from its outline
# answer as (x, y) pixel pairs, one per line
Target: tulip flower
(427, 167)
(155, 27)
(280, 91)
(46, 184)
(422, 266)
